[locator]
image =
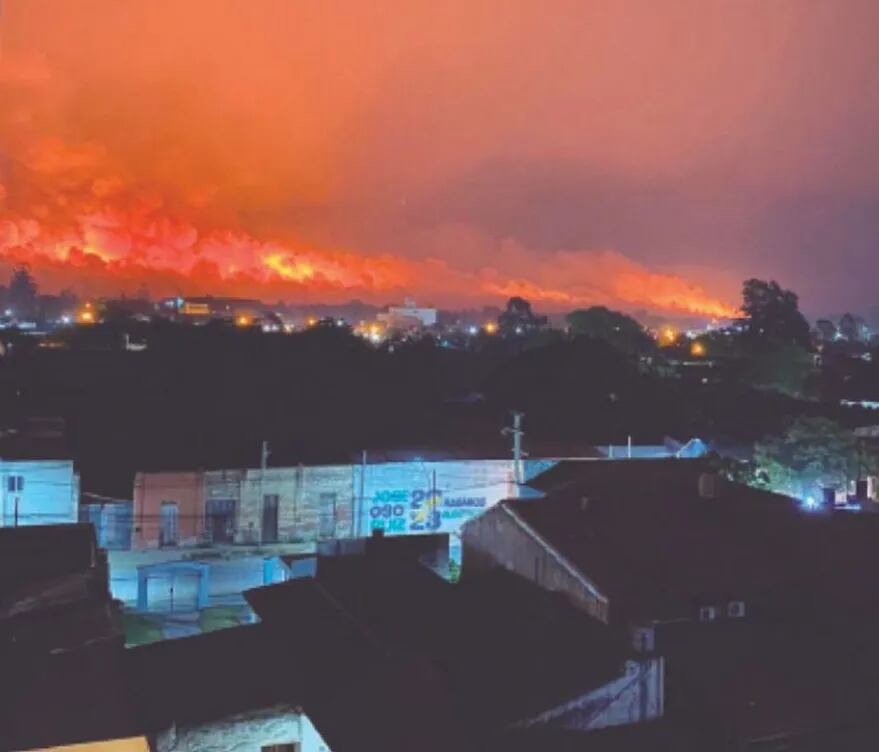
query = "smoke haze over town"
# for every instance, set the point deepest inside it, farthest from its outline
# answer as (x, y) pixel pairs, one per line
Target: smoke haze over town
(616, 153)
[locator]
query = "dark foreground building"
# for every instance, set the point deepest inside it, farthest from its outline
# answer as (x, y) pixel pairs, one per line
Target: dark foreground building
(764, 614)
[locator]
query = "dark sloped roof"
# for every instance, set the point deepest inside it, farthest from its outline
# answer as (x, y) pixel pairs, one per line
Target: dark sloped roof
(38, 552)
(641, 531)
(754, 680)
(207, 677)
(60, 641)
(501, 648)
(67, 698)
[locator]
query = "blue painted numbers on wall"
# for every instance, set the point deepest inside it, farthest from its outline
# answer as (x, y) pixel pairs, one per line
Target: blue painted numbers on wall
(421, 510)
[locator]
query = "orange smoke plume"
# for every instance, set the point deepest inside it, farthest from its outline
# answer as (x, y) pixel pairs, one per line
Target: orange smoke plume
(122, 174)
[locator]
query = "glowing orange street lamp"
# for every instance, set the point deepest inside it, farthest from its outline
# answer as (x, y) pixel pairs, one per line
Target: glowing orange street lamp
(697, 350)
(491, 327)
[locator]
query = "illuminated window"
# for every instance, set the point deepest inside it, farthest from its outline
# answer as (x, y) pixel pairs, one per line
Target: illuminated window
(15, 483)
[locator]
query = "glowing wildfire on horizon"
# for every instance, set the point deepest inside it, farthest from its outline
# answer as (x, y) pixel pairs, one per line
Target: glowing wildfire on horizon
(145, 202)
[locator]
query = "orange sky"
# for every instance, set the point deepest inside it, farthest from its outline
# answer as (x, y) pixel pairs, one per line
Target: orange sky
(624, 152)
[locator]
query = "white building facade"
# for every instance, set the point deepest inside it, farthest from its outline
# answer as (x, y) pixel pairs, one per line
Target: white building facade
(38, 492)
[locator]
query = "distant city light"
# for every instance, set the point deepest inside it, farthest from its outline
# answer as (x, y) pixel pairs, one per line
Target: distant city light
(668, 335)
(490, 327)
(243, 320)
(65, 319)
(472, 329)
(87, 316)
(697, 350)
(311, 321)
(810, 503)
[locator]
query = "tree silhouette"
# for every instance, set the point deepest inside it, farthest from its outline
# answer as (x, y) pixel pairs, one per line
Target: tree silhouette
(22, 295)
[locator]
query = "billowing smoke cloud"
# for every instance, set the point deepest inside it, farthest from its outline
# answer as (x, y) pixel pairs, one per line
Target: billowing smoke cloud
(307, 151)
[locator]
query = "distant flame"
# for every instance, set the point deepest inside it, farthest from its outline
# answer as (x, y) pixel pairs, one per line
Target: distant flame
(110, 218)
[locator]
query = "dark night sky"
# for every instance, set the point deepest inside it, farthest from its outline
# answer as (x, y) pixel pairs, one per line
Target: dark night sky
(640, 153)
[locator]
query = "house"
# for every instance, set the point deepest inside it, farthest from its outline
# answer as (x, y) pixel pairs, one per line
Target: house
(38, 492)
(239, 688)
(692, 449)
(762, 612)
(111, 518)
(168, 509)
(648, 540)
(317, 502)
(489, 654)
(61, 642)
(408, 316)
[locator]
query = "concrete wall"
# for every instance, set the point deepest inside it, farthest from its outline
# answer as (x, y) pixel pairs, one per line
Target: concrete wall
(326, 502)
(430, 497)
(497, 539)
(330, 501)
(46, 492)
(248, 732)
(636, 697)
(112, 522)
(225, 485)
(306, 496)
(151, 490)
(227, 577)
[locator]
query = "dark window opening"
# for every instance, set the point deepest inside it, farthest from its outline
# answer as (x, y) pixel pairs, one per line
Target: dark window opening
(270, 504)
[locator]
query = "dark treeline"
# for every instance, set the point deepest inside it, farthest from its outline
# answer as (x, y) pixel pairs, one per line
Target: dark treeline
(208, 396)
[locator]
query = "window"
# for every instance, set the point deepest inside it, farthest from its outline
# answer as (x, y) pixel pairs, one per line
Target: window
(270, 503)
(168, 526)
(220, 520)
(15, 483)
(291, 747)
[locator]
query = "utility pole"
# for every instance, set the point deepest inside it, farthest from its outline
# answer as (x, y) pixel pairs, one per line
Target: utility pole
(361, 501)
(517, 433)
(263, 465)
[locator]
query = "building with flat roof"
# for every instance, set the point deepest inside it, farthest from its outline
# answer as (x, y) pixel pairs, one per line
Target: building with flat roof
(38, 492)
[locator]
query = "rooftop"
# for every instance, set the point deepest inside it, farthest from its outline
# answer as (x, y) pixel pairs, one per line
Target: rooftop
(492, 650)
(643, 533)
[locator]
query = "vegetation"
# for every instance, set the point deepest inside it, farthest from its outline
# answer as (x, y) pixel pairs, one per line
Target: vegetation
(518, 318)
(208, 396)
(773, 315)
(813, 453)
(617, 329)
(140, 629)
(787, 368)
(215, 618)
